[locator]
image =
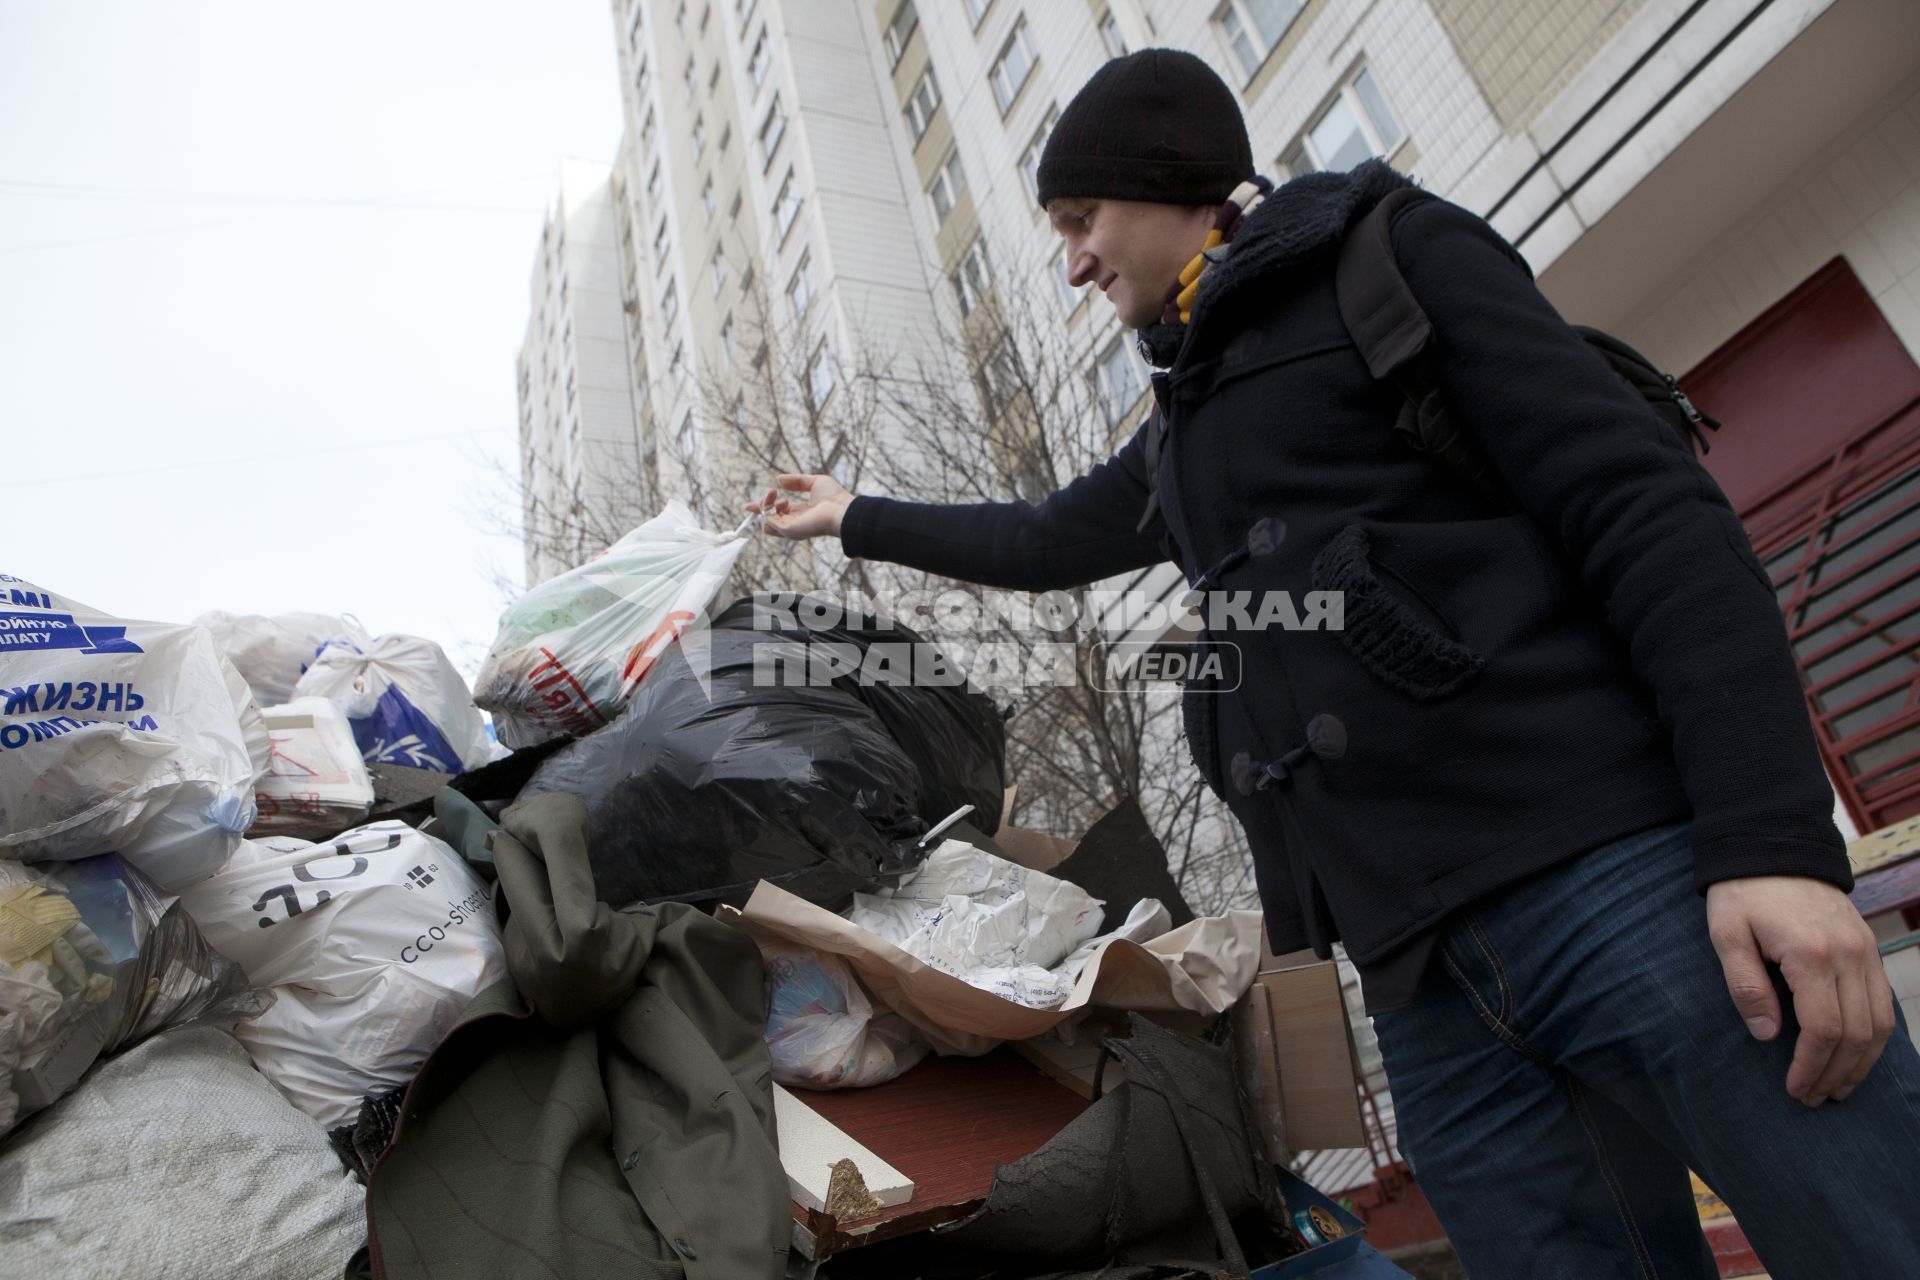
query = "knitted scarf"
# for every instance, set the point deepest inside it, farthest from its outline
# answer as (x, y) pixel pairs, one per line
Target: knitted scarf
(1161, 342)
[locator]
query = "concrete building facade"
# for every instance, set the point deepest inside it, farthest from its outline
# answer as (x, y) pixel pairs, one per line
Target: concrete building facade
(581, 445)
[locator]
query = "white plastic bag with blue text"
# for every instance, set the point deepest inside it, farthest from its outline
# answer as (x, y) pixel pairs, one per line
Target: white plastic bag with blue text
(120, 736)
(406, 703)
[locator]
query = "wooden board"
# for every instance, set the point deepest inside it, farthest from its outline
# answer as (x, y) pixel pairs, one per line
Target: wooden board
(946, 1125)
(809, 1146)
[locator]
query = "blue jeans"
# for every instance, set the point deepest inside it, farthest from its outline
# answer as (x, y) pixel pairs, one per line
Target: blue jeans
(1573, 1051)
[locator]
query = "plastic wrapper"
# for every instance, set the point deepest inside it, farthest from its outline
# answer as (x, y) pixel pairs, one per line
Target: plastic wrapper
(571, 651)
(728, 768)
(373, 942)
(316, 783)
(821, 1028)
(273, 652)
(121, 736)
(406, 703)
(90, 964)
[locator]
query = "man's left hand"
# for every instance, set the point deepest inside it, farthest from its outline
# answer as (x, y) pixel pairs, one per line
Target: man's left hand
(1828, 956)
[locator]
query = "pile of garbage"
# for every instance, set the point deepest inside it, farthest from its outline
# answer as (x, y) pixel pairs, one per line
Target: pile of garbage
(269, 886)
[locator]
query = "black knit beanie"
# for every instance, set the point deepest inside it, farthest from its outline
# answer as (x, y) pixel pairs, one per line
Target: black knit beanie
(1158, 125)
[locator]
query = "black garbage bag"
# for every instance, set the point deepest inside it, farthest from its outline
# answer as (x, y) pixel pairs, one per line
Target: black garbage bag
(762, 748)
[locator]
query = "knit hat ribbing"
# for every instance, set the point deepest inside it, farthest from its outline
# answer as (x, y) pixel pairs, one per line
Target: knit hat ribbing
(1158, 125)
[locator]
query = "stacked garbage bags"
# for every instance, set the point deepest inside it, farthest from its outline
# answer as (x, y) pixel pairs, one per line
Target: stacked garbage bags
(719, 844)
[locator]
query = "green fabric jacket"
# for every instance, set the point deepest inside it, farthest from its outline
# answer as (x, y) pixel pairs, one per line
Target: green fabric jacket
(607, 1112)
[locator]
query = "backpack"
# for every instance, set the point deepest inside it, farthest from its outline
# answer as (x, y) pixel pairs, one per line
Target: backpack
(1395, 338)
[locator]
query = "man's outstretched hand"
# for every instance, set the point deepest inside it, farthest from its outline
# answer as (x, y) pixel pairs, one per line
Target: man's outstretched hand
(803, 506)
(1827, 954)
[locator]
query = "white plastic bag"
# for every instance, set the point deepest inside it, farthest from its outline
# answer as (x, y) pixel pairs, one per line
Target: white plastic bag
(121, 736)
(821, 1027)
(1021, 934)
(406, 703)
(316, 782)
(273, 652)
(570, 652)
(373, 944)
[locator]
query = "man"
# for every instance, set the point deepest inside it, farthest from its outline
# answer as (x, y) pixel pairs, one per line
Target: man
(1553, 783)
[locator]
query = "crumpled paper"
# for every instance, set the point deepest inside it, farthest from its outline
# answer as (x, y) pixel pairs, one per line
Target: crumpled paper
(1189, 974)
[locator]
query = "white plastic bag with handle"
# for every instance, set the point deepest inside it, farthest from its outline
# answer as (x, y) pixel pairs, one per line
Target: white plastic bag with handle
(406, 703)
(571, 651)
(274, 652)
(117, 736)
(373, 943)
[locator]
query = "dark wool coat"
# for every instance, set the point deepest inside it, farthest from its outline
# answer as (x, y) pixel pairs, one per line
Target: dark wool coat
(1510, 689)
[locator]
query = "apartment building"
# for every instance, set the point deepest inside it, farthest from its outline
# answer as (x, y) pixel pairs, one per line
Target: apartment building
(581, 447)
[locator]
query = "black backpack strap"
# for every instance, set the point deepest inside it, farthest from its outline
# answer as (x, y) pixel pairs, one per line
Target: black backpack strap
(1395, 338)
(1383, 317)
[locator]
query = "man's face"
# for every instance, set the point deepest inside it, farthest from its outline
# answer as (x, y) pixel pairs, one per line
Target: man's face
(1131, 249)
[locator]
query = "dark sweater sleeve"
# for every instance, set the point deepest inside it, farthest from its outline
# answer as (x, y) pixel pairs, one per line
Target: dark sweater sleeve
(1649, 533)
(1083, 533)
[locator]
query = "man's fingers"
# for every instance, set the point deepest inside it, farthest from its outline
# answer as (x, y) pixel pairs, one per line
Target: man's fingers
(1880, 1025)
(1856, 1035)
(1816, 1006)
(795, 482)
(1747, 981)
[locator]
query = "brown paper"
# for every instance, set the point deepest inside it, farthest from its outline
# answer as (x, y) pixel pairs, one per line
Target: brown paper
(1197, 970)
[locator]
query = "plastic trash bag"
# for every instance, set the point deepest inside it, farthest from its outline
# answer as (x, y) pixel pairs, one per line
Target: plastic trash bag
(373, 943)
(90, 964)
(316, 783)
(571, 651)
(273, 652)
(821, 1027)
(121, 736)
(714, 778)
(406, 703)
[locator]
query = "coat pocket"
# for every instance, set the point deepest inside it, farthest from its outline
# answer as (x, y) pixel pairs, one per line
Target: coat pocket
(1388, 637)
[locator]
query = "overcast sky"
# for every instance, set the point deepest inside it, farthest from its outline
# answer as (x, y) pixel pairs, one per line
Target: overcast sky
(263, 277)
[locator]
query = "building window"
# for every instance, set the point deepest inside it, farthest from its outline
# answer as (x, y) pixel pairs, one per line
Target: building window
(729, 340)
(899, 31)
(976, 10)
(689, 74)
(972, 279)
(1117, 377)
(640, 80)
(772, 129)
(653, 183)
(719, 270)
(947, 184)
(569, 388)
(759, 61)
(633, 22)
(1356, 124)
(678, 365)
(699, 136)
(713, 76)
(1253, 27)
(1030, 158)
(786, 207)
(800, 289)
(726, 137)
(921, 104)
(1011, 69)
(708, 200)
(680, 21)
(660, 243)
(706, 16)
(822, 377)
(670, 302)
(1110, 34)
(647, 130)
